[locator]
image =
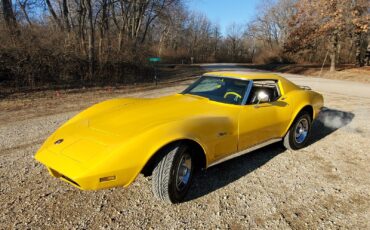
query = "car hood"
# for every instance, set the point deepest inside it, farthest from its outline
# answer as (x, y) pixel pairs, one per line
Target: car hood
(94, 136)
(134, 117)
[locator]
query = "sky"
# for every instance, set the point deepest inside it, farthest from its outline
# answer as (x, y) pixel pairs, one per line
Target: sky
(225, 12)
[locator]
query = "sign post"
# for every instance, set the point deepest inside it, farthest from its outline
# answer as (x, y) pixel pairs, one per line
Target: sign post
(155, 60)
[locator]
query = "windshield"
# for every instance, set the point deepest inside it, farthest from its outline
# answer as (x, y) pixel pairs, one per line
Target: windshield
(221, 89)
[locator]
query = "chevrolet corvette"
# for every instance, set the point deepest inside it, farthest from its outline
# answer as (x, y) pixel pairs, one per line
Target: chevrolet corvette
(220, 116)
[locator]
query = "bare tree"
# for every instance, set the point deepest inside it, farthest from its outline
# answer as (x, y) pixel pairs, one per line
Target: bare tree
(53, 14)
(65, 13)
(104, 39)
(359, 22)
(234, 41)
(8, 13)
(23, 5)
(91, 37)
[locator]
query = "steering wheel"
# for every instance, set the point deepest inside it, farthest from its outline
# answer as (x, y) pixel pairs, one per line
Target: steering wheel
(237, 96)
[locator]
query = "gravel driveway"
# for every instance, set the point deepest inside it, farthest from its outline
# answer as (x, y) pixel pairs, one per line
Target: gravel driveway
(323, 186)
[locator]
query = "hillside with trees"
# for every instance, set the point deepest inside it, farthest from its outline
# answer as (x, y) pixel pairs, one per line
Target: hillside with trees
(88, 42)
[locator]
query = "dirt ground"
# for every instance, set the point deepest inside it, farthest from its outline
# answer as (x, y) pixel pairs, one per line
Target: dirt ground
(323, 186)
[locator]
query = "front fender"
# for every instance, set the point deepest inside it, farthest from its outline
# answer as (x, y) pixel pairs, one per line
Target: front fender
(128, 160)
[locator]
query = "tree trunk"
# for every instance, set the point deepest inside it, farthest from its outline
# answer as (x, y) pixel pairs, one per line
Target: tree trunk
(120, 40)
(367, 54)
(53, 14)
(81, 27)
(332, 61)
(8, 13)
(151, 19)
(91, 38)
(333, 51)
(65, 16)
(162, 39)
(103, 29)
(358, 48)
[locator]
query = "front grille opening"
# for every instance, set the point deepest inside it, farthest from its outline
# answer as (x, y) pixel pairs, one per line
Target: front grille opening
(69, 180)
(54, 173)
(59, 175)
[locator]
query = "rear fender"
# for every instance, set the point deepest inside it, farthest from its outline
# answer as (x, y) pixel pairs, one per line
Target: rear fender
(300, 99)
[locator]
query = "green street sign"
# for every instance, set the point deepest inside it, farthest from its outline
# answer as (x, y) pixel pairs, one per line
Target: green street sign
(155, 59)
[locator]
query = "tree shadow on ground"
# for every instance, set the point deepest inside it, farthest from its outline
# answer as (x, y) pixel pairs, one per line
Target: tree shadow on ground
(223, 174)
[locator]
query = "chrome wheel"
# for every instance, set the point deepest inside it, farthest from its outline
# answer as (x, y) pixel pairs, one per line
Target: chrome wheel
(183, 172)
(301, 130)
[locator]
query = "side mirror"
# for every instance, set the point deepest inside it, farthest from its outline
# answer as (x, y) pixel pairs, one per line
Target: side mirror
(262, 97)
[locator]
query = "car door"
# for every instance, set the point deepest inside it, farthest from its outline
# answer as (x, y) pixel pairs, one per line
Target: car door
(262, 122)
(224, 134)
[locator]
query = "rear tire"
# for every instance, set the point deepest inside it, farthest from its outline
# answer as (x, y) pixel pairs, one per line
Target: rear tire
(173, 174)
(299, 132)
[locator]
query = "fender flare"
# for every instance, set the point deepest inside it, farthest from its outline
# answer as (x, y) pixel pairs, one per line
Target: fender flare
(297, 112)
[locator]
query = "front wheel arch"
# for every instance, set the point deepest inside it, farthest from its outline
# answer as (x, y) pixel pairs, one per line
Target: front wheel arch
(198, 153)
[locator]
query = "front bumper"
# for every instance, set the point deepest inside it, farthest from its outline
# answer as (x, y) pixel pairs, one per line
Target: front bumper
(74, 173)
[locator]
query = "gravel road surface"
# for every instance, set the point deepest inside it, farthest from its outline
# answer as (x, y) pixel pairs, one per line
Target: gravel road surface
(323, 186)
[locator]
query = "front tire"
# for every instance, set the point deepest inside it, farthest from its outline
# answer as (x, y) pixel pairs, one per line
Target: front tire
(298, 134)
(173, 174)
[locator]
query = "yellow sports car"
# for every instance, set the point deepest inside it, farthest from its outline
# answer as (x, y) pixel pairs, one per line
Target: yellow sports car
(220, 116)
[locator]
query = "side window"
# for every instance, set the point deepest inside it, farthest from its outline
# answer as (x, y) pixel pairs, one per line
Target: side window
(269, 87)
